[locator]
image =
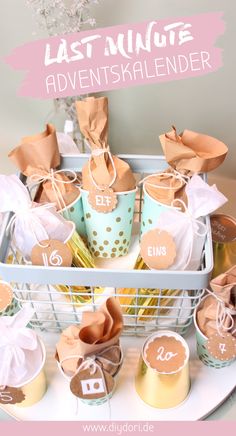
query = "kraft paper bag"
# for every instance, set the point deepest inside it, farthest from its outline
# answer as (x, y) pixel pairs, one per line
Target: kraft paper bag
(224, 287)
(99, 331)
(166, 187)
(93, 120)
(38, 158)
(192, 152)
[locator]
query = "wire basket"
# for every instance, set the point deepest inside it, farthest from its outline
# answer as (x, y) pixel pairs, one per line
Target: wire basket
(150, 299)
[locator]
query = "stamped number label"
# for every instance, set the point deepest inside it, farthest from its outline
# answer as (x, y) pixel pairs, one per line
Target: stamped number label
(51, 253)
(222, 347)
(104, 200)
(166, 354)
(158, 249)
(6, 295)
(9, 395)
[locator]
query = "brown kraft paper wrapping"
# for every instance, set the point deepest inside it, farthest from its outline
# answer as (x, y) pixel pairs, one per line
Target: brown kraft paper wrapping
(167, 187)
(97, 332)
(193, 152)
(224, 286)
(93, 120)
(37, 155)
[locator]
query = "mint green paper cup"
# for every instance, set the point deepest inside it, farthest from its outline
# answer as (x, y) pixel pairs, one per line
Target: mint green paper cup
(74, 212)
(109, 234)
(202, 350)
(151, 211)
(12, 309)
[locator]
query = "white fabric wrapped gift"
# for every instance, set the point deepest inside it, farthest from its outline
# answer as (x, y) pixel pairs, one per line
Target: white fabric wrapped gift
(188, 228)
(31, 222)
(20, 349)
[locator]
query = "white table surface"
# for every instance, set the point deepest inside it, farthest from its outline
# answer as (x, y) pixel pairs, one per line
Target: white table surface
(218, 382)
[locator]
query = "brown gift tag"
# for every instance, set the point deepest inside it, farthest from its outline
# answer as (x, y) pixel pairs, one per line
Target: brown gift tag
(89, 386)
(222, 347)
(6, 296)
(165, 354)
(55, 253)
(10, 395)
(158, 249)
(103, 200)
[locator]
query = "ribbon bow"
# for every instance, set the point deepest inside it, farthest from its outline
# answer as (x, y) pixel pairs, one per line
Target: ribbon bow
(15, 337)
(56, 182)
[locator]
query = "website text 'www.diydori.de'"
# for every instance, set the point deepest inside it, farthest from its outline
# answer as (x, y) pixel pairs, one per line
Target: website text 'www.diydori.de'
(119, 428)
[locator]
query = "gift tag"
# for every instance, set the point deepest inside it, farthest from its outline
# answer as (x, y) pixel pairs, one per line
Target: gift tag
(165, 354)
(90, 386)
(222, 347)
(6, 296)
(103, 200)
(10, 395)
(158, 249)
(54, 253)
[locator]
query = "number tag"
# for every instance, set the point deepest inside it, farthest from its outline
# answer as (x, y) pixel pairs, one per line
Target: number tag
(6, 295)
(104, 200)
(51, 253)
(91, 386)
(158, 249)
(10, 395)
(222, 347)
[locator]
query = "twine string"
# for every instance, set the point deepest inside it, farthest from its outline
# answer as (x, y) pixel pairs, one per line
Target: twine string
(92, 365)
(96, 153)
(51, 177)
(223, 315)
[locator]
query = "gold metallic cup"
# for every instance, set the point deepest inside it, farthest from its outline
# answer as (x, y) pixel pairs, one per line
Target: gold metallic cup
(158, 389)
(36, 387)
(224, 243)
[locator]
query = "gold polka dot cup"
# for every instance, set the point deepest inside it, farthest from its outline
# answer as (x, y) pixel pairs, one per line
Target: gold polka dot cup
(152, 209)
(109, 234)
(162, 379)
(202, 340)
(74, 212)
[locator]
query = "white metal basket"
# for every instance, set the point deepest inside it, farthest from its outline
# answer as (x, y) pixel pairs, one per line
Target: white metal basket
(160, 299)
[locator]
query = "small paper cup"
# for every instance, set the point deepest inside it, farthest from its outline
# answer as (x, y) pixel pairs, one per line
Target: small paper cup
(202, 350)
(93, 402)
(159, 389)
(109, 234)
(35, 388)
(74, 212)
(151, 211)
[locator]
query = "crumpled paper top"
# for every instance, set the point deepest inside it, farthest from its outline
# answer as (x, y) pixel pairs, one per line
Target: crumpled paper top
(98, 330)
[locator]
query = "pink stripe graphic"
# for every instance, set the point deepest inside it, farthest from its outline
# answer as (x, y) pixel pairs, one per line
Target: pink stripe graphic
(120, 56)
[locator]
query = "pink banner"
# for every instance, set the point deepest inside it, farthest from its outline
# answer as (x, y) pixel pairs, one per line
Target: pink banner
(120, 56)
